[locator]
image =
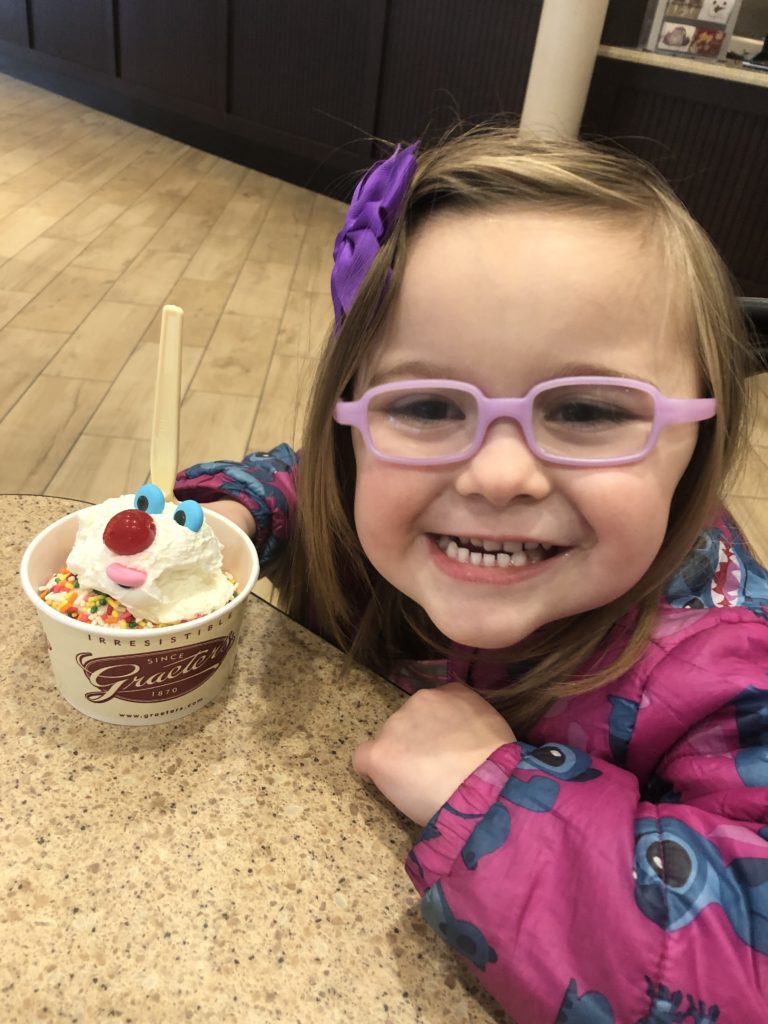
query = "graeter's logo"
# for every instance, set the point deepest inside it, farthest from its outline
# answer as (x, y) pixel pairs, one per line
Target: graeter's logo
(149, 678)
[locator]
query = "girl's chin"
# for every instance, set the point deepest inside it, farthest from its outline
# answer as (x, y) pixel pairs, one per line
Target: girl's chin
(484, 635)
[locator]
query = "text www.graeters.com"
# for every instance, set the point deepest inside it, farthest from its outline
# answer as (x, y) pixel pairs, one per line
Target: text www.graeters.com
(160, 714)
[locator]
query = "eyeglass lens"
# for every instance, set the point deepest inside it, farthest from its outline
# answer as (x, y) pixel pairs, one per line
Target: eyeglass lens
(586, 421)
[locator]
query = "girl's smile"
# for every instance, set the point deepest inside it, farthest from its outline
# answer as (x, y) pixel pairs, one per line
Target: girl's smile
(497, 545)
(500, 563)
(495, 553)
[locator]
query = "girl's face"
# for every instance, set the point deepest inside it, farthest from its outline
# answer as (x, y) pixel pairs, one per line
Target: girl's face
(504, 300)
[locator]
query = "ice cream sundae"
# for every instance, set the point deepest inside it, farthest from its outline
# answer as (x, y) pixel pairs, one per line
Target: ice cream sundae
(140, 561)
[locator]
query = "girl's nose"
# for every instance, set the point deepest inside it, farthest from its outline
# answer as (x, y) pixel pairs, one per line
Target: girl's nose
(504, 468)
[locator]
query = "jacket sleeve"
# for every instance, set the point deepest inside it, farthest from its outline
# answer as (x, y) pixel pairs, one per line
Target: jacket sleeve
(579, 890)
(265, 482)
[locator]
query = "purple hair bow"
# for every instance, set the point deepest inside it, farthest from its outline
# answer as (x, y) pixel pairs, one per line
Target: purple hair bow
(372, 213)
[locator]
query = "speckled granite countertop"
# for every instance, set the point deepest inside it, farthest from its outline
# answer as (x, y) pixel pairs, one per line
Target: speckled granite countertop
(228, 867)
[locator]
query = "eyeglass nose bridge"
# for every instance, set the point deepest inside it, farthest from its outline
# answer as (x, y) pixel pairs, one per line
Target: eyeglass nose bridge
(520, 410)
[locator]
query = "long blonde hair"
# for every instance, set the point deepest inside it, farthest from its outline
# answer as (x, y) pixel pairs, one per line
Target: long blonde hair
(326, 579)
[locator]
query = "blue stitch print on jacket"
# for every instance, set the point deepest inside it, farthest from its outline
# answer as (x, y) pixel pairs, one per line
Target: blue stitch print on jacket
(591, 1008)
(490, 833)
(692, 584)
(665, 1007)
(701, 1013)
(751, 712)
(558, 760)
(540, 794)
(718, 574)
(536, 794)
(621, 724)
(462, 936)
(704, 1014)
(679, 873)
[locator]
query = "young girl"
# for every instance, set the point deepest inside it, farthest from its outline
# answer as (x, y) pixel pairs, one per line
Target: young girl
(509, 501)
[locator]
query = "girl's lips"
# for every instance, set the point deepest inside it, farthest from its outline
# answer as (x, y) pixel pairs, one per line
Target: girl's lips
(498, 574)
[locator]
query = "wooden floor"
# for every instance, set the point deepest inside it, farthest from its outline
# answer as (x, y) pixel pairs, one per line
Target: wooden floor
(101, 223)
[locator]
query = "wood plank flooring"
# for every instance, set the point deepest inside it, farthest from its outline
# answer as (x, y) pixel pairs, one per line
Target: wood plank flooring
(101, 223)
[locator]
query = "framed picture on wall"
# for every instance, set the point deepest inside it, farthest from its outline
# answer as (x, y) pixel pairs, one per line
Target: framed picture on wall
(690, 28)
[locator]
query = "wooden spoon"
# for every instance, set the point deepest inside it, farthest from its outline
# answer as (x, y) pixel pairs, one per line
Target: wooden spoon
(164, 446)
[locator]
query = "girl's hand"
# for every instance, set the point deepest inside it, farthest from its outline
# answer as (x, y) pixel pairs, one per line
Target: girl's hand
(236, 511)
(428, 747)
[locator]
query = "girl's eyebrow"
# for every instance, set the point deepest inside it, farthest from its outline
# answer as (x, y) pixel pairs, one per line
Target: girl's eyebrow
(598, 370)
(417, 369)
(412, 370)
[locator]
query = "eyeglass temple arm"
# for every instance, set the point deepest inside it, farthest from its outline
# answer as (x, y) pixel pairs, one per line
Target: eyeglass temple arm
(686, 410)
(345, 413)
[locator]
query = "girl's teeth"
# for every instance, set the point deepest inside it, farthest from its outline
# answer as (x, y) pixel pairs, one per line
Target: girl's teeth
(492, 553)
(486, 545)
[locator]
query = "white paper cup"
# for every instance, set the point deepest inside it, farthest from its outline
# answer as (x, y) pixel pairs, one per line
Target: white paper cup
(140, 676)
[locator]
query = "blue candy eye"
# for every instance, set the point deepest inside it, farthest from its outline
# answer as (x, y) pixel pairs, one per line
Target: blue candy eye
(189, 514)
(149, 498)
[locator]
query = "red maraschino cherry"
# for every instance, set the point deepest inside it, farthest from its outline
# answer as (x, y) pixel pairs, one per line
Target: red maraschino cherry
(129, 532)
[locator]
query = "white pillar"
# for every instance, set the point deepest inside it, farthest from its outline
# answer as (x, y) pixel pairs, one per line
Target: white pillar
(561, 69)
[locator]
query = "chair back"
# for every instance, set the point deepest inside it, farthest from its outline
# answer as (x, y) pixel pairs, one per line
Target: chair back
(756, 315)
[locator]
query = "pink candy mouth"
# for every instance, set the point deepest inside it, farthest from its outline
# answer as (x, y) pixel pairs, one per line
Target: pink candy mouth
(124, 576)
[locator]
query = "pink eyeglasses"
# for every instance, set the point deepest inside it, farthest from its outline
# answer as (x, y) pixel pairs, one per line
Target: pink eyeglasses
(571, 421)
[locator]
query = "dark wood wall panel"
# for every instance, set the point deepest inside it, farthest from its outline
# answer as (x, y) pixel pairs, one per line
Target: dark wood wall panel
(623, 22)
(449, 59)
(13, 22)
(80, 31)
(176, 47)
(709, 138)
(308, 69)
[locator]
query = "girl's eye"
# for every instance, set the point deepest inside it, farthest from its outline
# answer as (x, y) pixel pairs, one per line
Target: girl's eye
(189, 514)
(424, 409)
(585, 413)
(149, 498)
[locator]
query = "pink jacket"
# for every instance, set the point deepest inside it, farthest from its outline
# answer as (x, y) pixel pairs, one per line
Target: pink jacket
(613, 869)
